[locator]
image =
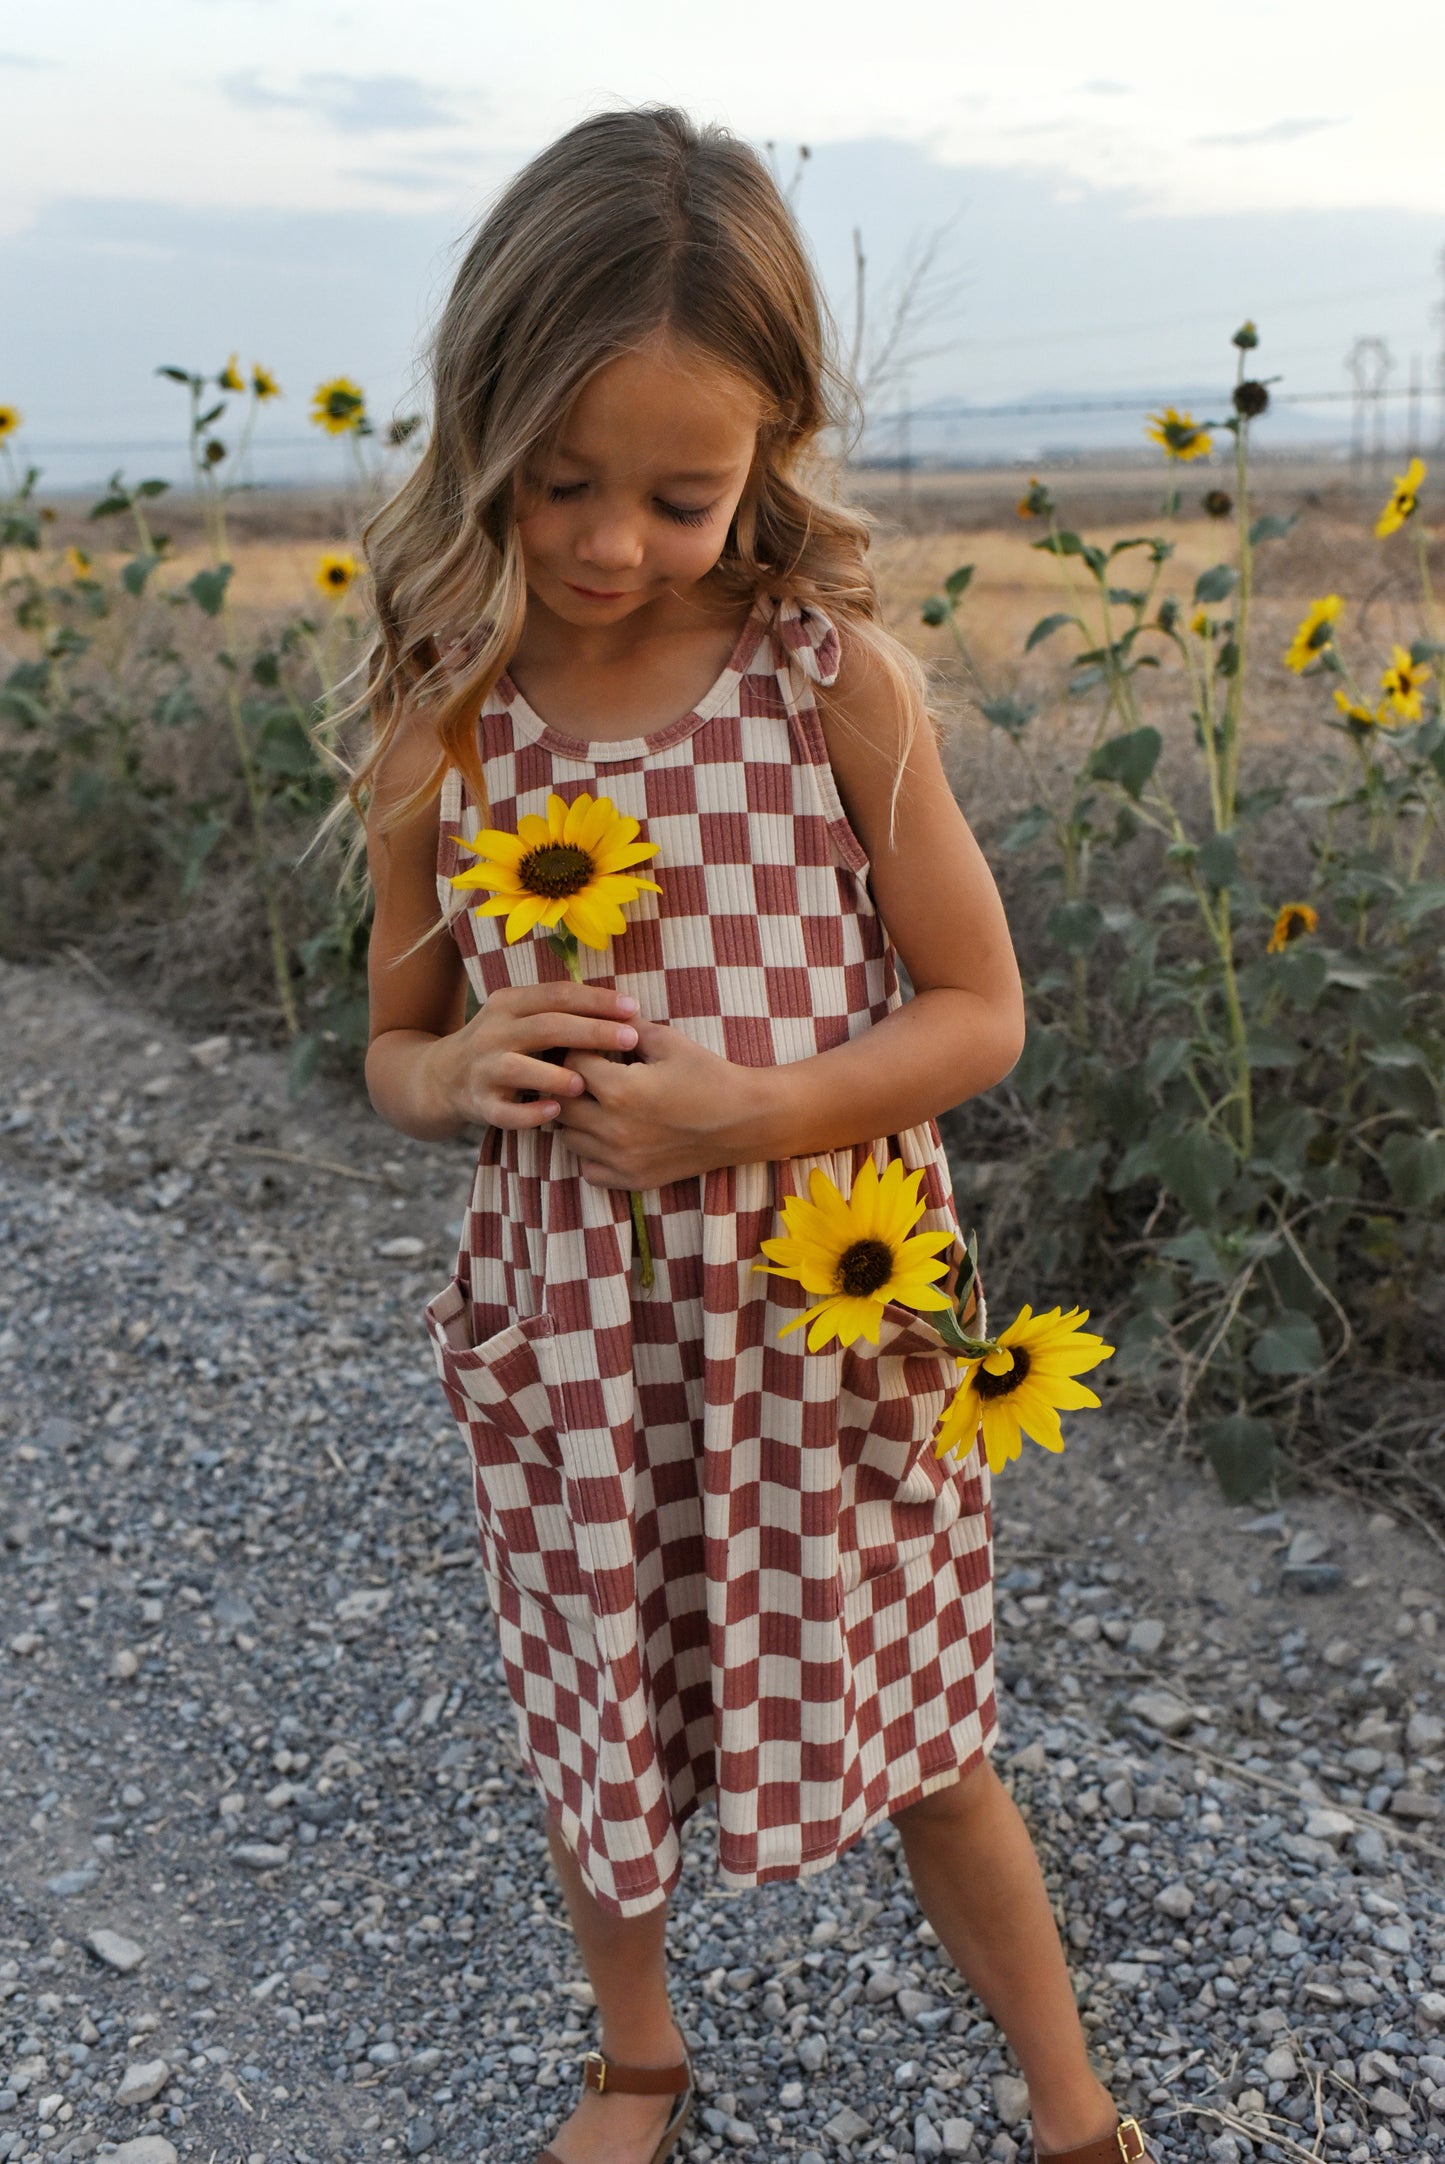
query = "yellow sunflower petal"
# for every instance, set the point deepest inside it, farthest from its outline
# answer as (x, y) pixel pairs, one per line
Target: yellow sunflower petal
(532, 833)
(523, 916)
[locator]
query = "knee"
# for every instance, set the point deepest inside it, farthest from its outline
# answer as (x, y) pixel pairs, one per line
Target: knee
(948, 1805)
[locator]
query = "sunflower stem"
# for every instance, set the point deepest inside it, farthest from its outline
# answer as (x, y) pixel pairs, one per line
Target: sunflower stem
(564, 946)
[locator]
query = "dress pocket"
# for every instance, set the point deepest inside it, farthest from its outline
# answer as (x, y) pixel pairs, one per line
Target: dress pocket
(506, 1399)
(897, 1499)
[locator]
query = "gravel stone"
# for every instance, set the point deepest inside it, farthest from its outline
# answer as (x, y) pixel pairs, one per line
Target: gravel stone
(240, 1556)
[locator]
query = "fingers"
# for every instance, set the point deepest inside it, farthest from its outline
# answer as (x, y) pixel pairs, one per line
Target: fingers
(564, 998)
(546, 1028)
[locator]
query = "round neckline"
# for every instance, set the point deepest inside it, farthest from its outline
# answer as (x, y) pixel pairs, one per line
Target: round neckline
(598, 750)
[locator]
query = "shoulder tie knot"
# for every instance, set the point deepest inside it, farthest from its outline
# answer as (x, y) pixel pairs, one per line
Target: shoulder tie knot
(811, 638)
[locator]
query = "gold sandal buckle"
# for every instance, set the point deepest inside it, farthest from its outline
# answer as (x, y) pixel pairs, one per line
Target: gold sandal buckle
(597, 2059)
(1134, 2155)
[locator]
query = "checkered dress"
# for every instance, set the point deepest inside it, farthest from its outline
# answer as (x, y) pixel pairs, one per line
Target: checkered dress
(721, 1567)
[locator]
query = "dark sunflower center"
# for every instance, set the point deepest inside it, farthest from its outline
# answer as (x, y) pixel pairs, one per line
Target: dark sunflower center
(1003, 1386)
(555, 870)
(336, 576)
(863, 1268)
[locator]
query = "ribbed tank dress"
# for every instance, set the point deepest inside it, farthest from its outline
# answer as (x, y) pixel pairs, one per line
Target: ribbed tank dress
(721, 1567)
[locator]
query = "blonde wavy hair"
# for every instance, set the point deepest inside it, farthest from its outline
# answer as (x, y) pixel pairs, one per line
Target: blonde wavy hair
(635, 222)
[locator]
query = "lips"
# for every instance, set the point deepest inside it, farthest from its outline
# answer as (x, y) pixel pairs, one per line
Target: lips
(596, 593)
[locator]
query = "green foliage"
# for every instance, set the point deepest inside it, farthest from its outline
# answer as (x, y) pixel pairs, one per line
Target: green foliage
(1230, 1113)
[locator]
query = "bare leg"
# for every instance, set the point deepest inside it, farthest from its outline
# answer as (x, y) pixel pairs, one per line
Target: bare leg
(626, 1965)
(979, 1884)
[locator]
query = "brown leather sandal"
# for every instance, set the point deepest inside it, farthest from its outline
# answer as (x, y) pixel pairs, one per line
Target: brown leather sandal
(1128, 2144)
(603, 2074)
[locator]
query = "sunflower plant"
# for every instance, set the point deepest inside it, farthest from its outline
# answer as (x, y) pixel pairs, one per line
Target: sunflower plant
(572, 872)
(1230, 1114)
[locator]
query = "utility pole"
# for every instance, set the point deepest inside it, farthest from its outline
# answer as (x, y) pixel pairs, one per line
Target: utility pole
(1440, 358)
(1412, 423)
(1368, 362)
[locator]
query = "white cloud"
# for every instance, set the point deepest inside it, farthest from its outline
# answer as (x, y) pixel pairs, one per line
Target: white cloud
(352, 104)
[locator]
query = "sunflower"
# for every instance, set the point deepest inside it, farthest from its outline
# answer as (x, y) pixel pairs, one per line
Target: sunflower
(263, 383)
(569, 869)
(1180, 434)
(77, 563)
(1199, 624)
(336, 572)
(230, 378)
(1021, 1387)
(9, 421)
(857, 1253)
(1313, 634)
(1036, 502)
(1401, 684)
(1403, 499)
(338, 406)
(1295, 919)
(1369, 717)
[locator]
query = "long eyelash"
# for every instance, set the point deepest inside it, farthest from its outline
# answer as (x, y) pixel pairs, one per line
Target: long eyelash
(673, 511)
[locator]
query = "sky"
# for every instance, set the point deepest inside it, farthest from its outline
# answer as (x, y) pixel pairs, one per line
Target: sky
(1107, 190)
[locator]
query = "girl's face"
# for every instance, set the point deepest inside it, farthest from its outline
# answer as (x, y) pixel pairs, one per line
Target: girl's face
(636, 501)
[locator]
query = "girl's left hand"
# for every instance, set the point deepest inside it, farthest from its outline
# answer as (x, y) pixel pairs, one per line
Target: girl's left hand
(674, 1113)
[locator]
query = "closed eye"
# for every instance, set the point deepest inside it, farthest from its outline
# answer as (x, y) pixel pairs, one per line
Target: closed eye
(680, 514)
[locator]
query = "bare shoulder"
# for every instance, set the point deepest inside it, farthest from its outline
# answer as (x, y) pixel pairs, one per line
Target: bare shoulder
(873, 721)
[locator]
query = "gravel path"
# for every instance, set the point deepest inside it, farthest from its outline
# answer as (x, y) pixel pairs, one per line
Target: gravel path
(275, 1887)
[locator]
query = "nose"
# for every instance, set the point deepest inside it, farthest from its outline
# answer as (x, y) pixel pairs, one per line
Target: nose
(610, 544)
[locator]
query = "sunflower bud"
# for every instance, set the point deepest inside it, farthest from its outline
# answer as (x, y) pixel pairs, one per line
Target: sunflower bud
(1246, 337)
(1168, 613)
(1250, 398)
(1218, 503)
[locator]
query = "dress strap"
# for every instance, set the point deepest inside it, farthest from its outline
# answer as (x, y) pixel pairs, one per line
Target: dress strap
(810, 638)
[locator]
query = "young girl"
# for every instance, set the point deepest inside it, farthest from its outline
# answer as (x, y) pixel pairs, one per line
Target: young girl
(723, 1568)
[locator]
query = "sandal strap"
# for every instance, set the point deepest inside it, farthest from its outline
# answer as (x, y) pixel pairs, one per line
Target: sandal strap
(1125, 2145)
(600, 2072)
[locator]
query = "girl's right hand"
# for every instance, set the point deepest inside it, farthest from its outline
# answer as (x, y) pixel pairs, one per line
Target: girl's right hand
(476, 1073)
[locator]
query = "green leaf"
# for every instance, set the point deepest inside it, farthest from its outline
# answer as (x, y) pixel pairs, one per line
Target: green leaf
(1035, 821)
(1419, 901)
(110, 506)
(935, 610)
(1007, 714)
(1073, 1174)
(1215, 584)
(1270, 528)
(1399, 1054)
(305, 1059)
(208, 588)
(1167, 1057)
(957, 582)
(1271, 1048)
(151, 488)
(1218, 862)
(1241, 1450)
(1041, 1062)
(1045, 629)
(1075, 926)
(1300, 974)
(1135, 541)
(1196, 1167)
(1290, 1346)
(1128, 760)
(1197, 1249)
(1415, 1168)
(1137, 1163)
(1355, 972)
(134, 574)
(177, 375)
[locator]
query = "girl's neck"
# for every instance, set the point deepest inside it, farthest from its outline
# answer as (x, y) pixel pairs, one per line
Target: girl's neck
(627, 679)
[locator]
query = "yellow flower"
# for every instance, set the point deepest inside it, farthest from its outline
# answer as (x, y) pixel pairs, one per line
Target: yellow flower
(1403, 498)
(77, 563)
(230, 378)
(857, 1254)
(1368, 716)
(1179, 434)
(569, 869)
(1313, 634)
(1036, 503)
(9, 421)
(263, 383)
(336, 572)
(1401, 684)
(338, 406)
(1199, 624)
(1293, 921)
(1021, 1388)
